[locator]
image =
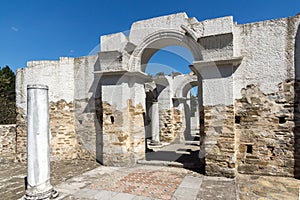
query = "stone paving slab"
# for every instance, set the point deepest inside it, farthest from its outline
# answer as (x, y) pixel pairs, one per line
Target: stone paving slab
(188, 189)
(141, 182)
(267, 187)
(217, 188)
(164, 183)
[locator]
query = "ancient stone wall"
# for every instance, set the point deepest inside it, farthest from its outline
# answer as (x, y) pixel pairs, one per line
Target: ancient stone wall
(87, 124)
(220, 141)
(264, 126)
(8, 139)
(60, 77)
(87, 102)
(64, 143)
(123, 134)
(171, 125)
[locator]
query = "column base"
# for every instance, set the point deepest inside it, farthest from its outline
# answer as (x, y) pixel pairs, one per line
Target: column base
(155, 143)
(50, 194)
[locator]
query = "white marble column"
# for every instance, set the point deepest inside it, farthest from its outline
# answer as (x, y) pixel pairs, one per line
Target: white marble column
(155, 124)
(38, 144)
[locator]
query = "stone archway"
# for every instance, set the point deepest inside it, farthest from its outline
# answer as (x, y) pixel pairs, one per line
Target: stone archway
(158, 40)
(183, 102)
(125, 58)
(175, 149)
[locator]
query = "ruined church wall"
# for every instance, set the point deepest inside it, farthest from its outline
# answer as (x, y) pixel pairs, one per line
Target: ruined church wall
(267, 48)
(249, 120)
(59, 76)
(264, 98)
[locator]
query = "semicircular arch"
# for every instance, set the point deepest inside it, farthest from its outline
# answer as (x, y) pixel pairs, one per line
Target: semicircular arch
(158, 40)
(185, 85)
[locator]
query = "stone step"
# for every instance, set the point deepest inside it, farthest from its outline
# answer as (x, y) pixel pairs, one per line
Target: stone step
(191, 142)
(160, 163)
(168, 164)
(184, 151)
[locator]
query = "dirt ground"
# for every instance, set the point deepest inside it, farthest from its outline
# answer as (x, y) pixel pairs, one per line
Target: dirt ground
(12, 175)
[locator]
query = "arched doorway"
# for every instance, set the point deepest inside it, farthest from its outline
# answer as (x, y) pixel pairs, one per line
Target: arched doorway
(163, 104)
(191, 116)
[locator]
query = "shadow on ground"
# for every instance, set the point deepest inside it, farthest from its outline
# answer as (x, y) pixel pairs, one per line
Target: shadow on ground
(187, 155)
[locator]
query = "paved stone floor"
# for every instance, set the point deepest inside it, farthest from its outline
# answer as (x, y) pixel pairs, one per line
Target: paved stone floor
(88, 180)
(156, 182)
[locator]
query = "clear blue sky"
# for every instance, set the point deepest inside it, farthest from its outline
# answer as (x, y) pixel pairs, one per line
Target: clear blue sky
(40, 29)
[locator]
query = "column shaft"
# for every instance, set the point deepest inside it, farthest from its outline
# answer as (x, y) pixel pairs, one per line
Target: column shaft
(155, 123)
(38, 143)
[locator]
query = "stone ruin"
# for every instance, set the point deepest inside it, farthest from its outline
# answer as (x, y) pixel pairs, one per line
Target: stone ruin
(248, 96)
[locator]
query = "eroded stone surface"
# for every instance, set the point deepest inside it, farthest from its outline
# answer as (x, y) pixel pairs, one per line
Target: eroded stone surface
(65, 143)
(264, 187)
(123, 134)
(219, 141)
(264, 127)
(156, 182)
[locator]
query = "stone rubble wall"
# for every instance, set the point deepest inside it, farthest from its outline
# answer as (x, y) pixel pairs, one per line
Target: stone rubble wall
(264, 127)
(257, 136)
(220, 141)
(8, 138)
(171, 125)
(64, 142)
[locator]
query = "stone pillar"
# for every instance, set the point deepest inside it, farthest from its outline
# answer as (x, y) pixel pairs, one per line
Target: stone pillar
(218, 141)
(38, 144)
(187, 117)
(155, 123)
(123, 112)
